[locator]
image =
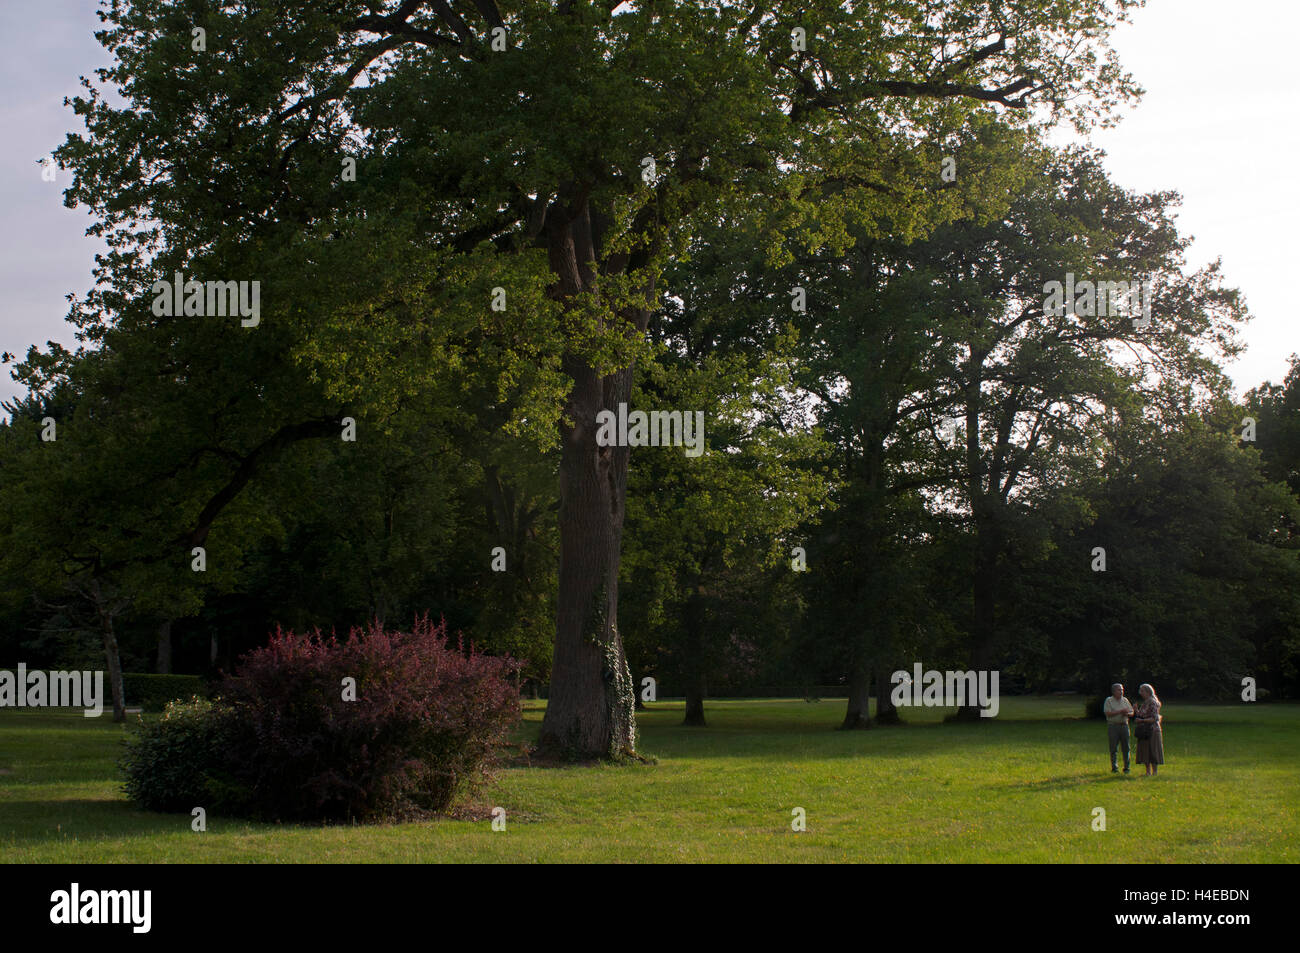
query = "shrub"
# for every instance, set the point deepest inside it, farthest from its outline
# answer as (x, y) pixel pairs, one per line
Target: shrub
(176, 763)
(1092, 707)
(427, 720)
(153, 692)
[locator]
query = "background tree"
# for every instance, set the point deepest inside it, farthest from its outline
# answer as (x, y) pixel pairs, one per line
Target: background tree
(706, 533)
(1275, 409)
(1199, 580)
(877, 338)
(1029, 388)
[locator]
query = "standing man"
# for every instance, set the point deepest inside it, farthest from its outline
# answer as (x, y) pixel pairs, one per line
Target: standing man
(1118, 710)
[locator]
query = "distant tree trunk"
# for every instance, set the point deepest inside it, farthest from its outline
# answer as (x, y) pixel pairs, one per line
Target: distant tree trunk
(693, 617)
(984, 615)
(164, 666)
(111, 654)
(984, 514)
(695, 692)
(858, 713)
(114, 671)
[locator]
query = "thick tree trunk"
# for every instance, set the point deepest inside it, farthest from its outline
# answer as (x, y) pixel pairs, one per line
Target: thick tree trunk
(591, 710)
(886, 710)
(164, 666)
(858, 713)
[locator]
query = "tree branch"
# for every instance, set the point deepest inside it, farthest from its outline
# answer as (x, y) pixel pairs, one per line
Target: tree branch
(290, 433)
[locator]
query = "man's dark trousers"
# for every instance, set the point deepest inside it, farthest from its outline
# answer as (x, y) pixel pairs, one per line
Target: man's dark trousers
(1118, 736)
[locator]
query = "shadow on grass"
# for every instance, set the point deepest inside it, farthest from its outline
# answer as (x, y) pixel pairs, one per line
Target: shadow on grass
(83, 819)
(1063, 782)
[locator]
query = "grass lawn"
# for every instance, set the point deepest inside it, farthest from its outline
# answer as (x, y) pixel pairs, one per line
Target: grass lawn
(1021, 787)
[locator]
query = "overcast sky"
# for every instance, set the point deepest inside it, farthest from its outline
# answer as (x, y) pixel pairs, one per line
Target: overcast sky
(1218, 124)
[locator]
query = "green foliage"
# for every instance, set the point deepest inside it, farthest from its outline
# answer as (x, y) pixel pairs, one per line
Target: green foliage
(1201, 570)
(176, 763)
(1276, 410)
(708, 538)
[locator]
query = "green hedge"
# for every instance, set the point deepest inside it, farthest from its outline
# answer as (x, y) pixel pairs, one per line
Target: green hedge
(153, 692)
(175, 763)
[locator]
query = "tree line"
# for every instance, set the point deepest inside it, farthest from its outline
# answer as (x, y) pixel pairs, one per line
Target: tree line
(829, 230)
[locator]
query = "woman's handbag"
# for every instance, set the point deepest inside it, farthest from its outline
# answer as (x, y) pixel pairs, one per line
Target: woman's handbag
(1143, 730)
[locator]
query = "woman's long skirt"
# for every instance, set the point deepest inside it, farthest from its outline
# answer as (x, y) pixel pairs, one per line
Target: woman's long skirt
(1151, 750)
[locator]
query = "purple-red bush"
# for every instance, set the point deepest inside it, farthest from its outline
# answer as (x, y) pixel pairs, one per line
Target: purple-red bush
(427, 720)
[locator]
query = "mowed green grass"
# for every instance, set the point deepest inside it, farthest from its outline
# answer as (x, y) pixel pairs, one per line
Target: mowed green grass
(1021, 787)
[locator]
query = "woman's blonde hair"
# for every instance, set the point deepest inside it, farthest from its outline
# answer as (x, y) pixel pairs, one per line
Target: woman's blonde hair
(1154, 697)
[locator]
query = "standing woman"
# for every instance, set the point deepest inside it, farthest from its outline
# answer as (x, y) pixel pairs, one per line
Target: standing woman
(1151, 744)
